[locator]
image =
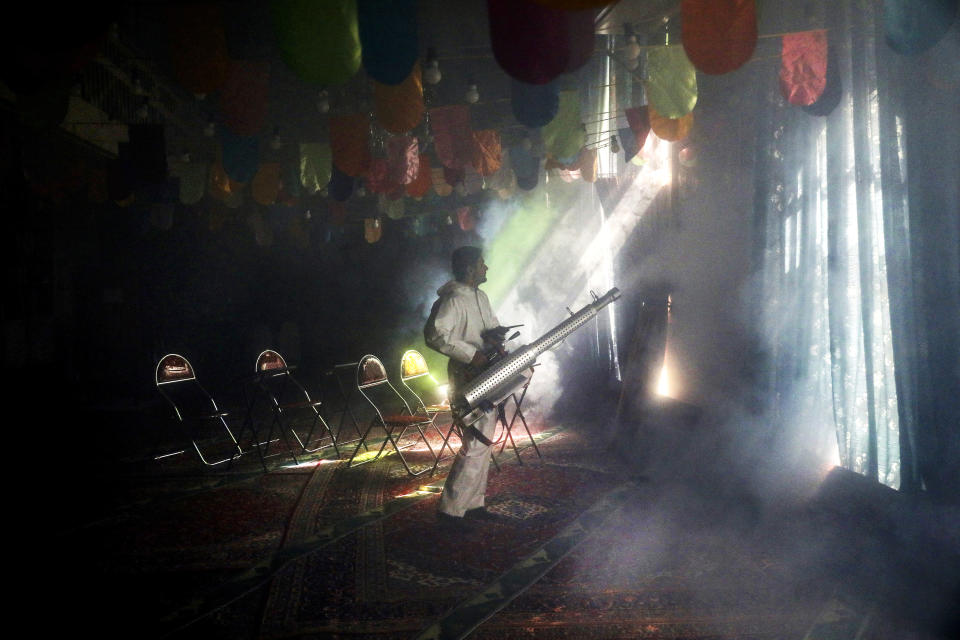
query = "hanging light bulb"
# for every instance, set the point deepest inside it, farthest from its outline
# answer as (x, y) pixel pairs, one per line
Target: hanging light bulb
(276, 142)
(431, 72)
(614, 144)
(472, 95)
(323, 101)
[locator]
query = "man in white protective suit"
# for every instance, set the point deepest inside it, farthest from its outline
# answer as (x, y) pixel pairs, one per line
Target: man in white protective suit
(459, 317)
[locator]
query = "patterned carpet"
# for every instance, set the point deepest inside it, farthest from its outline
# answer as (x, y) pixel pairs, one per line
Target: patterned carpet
(581, 548)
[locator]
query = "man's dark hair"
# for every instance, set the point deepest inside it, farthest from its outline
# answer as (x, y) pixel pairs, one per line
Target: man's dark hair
(464, 258)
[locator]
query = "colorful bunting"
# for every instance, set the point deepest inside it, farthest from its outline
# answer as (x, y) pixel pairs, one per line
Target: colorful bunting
(241, 155)
(439, 180)
(198, 46)
(719, 36)
(403, 159)
(422, 183)
(265, 188)
(670, 129)
(833, 90)
(243, 97)
(388, 38)
(803, 66)
(193, 180)
(530, 42)
(913, 26)
(341, 185)
(486, 157)
(466, 219)
(372, 230)
(452, 136)
(534, 105)
(349, 135)
(564, 135)
(399, 108)
(315, 165)
(639, 120)
(319, 40)
(672, 81)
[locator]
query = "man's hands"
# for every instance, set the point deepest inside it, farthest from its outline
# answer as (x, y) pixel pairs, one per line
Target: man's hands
(479, 359)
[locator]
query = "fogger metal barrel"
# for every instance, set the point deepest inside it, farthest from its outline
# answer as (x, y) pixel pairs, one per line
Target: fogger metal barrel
(500, 380)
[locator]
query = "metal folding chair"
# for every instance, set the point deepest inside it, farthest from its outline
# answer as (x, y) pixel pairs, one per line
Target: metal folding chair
(193, 407)
(391, 412)
(429, 396)
(517, 413)
(288, 397)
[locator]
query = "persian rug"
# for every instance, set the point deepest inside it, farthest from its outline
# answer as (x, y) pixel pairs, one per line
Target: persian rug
(397, 574)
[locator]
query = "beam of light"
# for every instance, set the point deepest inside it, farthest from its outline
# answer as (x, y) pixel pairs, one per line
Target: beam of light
(663, 383)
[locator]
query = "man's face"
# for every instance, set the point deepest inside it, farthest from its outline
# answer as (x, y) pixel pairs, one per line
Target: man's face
(480, 271)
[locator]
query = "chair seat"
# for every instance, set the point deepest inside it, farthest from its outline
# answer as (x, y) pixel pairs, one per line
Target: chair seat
(437, 408)
(208, 416)
(300, 405)
(405, 419)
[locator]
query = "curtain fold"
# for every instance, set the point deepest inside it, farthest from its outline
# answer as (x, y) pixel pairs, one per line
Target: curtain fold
(858, 241)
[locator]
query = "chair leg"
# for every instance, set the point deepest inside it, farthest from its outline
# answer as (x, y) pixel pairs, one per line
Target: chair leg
(362, 443)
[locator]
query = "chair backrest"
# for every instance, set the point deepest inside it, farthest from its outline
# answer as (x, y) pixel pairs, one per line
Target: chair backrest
(173, 368)
(268, 360)
(374, 385)
(371, 372)
(177, 382)
(413, 365)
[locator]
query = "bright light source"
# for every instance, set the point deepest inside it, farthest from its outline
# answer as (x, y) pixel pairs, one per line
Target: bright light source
(663, 384)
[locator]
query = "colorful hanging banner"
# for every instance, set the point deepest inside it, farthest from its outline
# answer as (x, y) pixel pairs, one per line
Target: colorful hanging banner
(913, 26)
(530, 42)
(439, 180)
(525, 166)
(830, 97)
(265, 188)
(399, 108)
(349, 136)
(639, 120)
(670, 129)
(564, 135)
(581, 38)
(315, 165)
(341, 185)
(466, 219)
(372, 230)
(388, 38)
(244, 96)
(803, 66)
(241, 155)
(403, 159)
(193, 180)
(422, 183)
(719, 36)
(452, 137)
(198, 46)
(319, 40)
(534, 105)
(486, 157)
(672, 81)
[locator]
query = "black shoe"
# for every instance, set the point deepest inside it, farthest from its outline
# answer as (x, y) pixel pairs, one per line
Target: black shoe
(481, 513)
(447, 520)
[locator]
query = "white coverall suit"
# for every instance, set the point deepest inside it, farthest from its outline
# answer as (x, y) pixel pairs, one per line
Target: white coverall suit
(463, 313)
